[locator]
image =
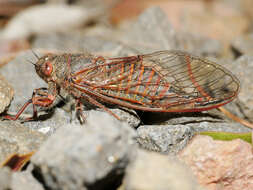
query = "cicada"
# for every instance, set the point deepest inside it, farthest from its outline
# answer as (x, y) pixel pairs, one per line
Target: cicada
(163, 81)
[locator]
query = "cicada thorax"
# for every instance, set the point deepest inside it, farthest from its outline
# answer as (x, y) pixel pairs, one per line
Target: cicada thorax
(65, 65)
(79, 62)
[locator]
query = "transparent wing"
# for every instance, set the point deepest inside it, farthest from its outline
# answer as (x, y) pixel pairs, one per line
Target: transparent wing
(166, 81)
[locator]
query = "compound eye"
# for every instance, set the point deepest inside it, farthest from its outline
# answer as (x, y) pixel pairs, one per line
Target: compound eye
(48, 68)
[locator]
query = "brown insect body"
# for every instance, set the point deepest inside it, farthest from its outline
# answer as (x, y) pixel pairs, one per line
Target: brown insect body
(165, 81)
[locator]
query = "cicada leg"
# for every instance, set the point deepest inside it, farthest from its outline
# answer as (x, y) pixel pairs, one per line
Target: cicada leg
(79, 111)
(14, 118)
(40, 97)
(96, 103)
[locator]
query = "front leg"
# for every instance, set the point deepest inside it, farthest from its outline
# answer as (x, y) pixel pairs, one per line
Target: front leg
(42, 97)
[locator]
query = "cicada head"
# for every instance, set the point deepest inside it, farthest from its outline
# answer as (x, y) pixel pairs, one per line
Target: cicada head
(45, 67)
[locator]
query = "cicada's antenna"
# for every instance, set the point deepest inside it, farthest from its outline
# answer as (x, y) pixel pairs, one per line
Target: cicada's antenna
(31, 62)
(36, 55)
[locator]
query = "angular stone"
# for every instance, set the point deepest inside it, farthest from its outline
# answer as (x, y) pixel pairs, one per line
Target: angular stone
(220, 165)
(38, 19)
(6, 94)
(5, 178)
(23, 78)
(243, 69)
(25, 181)
(164, 138)
(78, 42)
(243, 45)
(151, 32)
(16, 138)
(151, 171)
(76, 157)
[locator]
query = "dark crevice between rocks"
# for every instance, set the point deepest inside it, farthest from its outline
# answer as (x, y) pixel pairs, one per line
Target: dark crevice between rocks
(236, 52)
(195, 122)
(241, 109)
(112, 181)
(37, 174)
(148, 118)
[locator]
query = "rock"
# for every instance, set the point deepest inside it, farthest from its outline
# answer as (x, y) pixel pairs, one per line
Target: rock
(243, 68)
(221, 126)
(245, 6)
(243, 45)
(199, 121)
(164, 138)
(9, 49)
(48, 123)
(127, 115)
(48, 18)
(90, 156)
(18, 180)
(10, 8)
(179, 118)
(151, 171)
(23, 78)
(131, 40)
(199, 18)
(79, 42)
(25, 181)
(220, 164)
(16, 138)
(200, 45)
(5, 178)
(151, 32)
(6, 94)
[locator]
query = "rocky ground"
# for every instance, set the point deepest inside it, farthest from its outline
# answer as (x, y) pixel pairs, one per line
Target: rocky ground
(144, 150)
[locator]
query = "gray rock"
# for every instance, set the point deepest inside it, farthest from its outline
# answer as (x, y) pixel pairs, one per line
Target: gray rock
(37, 19)
(25, 181)
(18, 180)
(243, 69)
(23, 78)
(77, 157)
(243, 45)
(48, 123)
(79, 42)
(128, 116)
(200, 45)
(16, 138)
(221, 126)
(173, 135)
(151, 171)
(208, 121)
(151, 32)
(179, 118)
(6, 94)
(5, 178)
(164, 138)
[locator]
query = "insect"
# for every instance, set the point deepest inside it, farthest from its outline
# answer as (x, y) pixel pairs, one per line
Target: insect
(164, 81)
